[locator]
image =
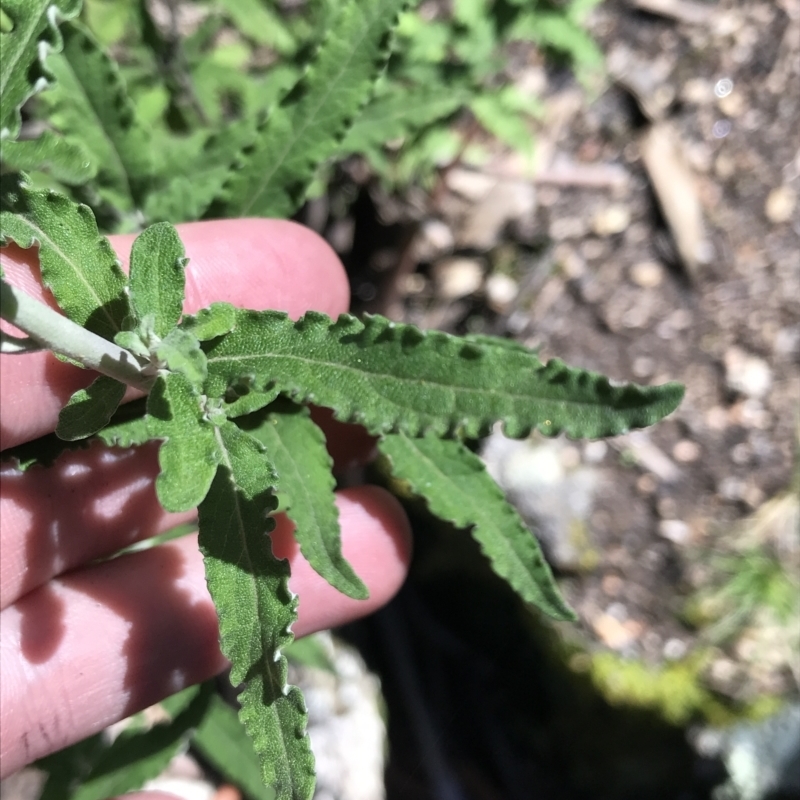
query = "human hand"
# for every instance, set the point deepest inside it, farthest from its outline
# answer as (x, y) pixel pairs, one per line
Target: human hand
(84, 644)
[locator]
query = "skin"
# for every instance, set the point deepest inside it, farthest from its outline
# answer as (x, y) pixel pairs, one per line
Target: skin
(85, 644)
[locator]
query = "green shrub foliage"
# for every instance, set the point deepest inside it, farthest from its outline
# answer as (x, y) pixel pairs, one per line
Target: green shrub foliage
(190, 128)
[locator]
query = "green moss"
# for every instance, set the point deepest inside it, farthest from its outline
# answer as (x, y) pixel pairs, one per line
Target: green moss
(675, 690)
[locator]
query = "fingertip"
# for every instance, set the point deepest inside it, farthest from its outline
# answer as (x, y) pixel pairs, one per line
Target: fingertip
(258, 263)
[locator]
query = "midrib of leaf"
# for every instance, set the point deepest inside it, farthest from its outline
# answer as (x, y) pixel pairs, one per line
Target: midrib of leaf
(268, 659)
(310, 119)
(226, 460)
(409, 381)
(73, 266)
(120, 163)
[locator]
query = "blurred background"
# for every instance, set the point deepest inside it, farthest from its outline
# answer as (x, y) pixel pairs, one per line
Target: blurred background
(616, 184)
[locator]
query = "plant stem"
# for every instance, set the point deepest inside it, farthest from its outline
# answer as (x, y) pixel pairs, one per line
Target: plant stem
(56, 332)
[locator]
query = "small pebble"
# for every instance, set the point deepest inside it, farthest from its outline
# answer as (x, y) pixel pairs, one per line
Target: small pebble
(595, 452)
(646, 484)
(434, 238)
(612, 585)
(780, 204)
(677, 531)
(717, 418)
(615, 634)
(667, 508)
(643, 366)
(647, 274)
(674, 649)
(501, 291)
(686, 451)
(611, 220)
(458, 277)
(747, 374)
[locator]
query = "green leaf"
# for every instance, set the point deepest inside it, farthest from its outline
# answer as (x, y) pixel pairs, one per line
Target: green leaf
(90, 409)
(305, 487)
(454, 482)
(131, 433)
(90, 105)
(189, 454)
(401, 111)
(29, 34)
(157, 277)
(67, 768)
(195, 172)
(140, 753)
(181, 352)
(78, 265)
(304, 130)
(256, 610)
(67, 162)
(258, 22)
(222, 741)
(555, 29)
(208, 323)
(391, 377)
(497, 114)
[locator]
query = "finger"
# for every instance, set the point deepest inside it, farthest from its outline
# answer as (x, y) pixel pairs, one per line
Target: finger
(253, 263)
(90, 504)
(93, 503)
(106, 641)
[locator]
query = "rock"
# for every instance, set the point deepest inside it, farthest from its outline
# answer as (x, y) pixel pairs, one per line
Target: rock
(781, 204)
(677, 531)
(616, 634)
(555, 501)
(433, 240)
(458, 277)
(470, 183)
(647, 274)
(611, 220)
(746, 373)
(762, 758)
(501, 291)
(686, 451)
(674, 649)
(348, 733)
(506, 201)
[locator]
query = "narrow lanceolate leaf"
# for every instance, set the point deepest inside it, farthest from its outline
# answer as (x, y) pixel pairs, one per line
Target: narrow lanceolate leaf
(399, 111)
(305, 129)
(305, 487)
(391, 377)
(256, 610)
(454, 482)
(222, 741)
(90, 104)
(189, 454)
(90, 409)
(78, 265)
(157, 277)
(23, 48)
(67, 162)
